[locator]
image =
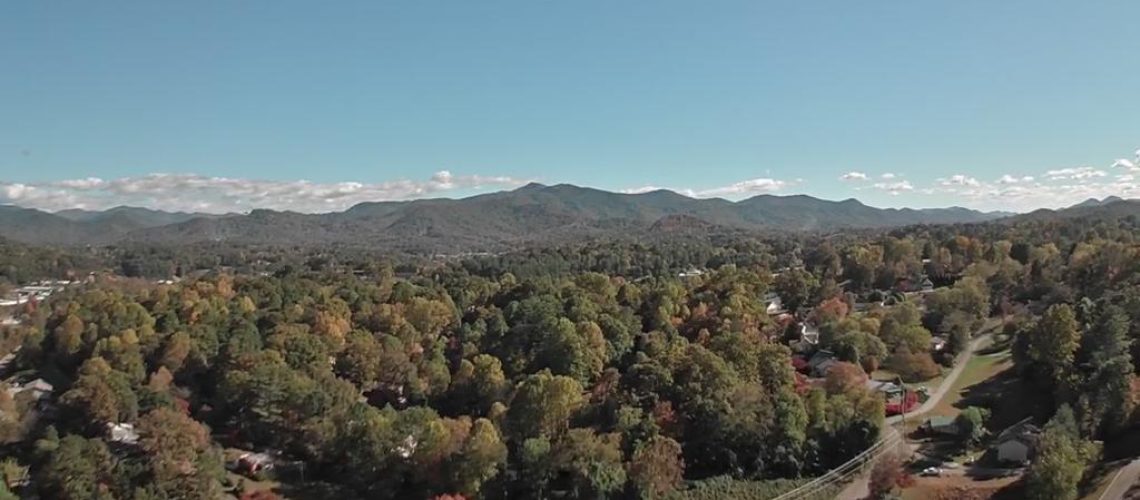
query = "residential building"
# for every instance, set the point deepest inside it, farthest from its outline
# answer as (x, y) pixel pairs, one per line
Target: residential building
(775, 304)
(1018, 442)
(821, 362)
(937, 344)
(122, 433)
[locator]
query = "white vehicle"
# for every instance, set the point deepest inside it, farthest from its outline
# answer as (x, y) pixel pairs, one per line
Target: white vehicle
(932, 472)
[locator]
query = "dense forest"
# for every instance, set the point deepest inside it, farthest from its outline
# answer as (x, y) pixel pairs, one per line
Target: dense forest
(596, 370)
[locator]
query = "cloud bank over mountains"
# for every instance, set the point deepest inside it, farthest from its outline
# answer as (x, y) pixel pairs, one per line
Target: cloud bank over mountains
(196, 193)
(1050, 188)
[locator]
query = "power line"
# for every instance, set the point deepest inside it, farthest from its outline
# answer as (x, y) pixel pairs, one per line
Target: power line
(832, 476)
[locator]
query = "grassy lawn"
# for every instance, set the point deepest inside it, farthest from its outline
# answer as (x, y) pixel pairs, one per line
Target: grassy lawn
(976, 386)
(978, 370)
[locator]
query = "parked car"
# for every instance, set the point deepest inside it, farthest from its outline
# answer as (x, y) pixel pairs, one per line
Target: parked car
(932, 472)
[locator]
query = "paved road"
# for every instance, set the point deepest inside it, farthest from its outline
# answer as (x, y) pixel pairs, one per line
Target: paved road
(1122, 481)
(859, 489)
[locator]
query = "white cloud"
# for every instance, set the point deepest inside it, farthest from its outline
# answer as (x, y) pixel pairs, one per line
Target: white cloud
(887, 175)
(191, 192)
(894, 188)
(641, 190)
(1124, 163)
(959, 180)
(752, 186)
(88, 183)
(853, 176)
(762, 185)
(1074, 173)
(1009, 179)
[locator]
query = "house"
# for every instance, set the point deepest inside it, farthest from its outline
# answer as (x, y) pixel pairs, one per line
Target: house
(808, 339)
(809, 333)
(122, 433)
(890, 389)
(775, 304)
(407, 447)
(937, 344)
(38, 388)
(926, 285)
(821, 362)
(946, 426)
(1017, 442)
(691, 273)
(253, 463)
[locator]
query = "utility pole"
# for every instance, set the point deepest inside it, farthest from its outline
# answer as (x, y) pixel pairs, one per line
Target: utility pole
(904, 407)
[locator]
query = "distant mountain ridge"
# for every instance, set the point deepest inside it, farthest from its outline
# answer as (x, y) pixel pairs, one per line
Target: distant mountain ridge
(1093, 202)
(143, 217)
(534, 212)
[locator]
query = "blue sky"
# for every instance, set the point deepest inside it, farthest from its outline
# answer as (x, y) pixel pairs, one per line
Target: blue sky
(237, 102)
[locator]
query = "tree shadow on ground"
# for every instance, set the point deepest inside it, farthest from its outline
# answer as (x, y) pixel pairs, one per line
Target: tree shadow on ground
(1009, 399)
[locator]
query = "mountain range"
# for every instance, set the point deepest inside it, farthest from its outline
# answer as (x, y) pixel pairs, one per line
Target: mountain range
(491, 221)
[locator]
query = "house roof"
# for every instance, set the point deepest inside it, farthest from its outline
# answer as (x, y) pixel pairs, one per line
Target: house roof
(1023, 431)
(259, 458)
(39, 384)
(940, 421)
(883, 386)
(821, 356)
(123, 433)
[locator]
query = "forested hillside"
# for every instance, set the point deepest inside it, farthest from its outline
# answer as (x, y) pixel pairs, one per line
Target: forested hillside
(602, 370)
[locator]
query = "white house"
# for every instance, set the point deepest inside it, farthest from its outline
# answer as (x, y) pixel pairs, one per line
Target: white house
(691, 273)
(809, 333)
(39, 389)
(122, 433)
(775, 304)
(937, 344)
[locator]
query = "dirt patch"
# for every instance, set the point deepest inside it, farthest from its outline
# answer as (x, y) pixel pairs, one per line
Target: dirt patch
(962, 488)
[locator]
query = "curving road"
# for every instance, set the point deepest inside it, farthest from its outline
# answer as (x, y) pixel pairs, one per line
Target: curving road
(1123, 481)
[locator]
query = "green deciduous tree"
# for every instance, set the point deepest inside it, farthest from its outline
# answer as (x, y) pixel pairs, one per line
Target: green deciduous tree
(1061, 460)
(542, 405)
(971, 424)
